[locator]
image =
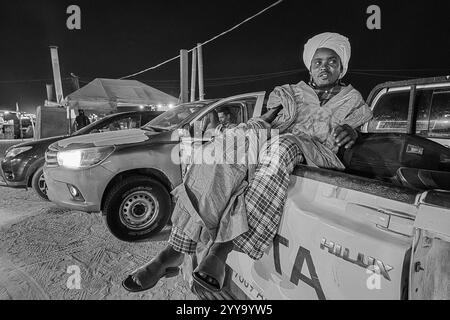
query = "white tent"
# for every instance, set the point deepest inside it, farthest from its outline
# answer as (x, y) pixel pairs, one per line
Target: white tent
(106, 95)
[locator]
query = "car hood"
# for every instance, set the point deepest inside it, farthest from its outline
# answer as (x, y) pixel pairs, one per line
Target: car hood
(112, 138)
(45, 141)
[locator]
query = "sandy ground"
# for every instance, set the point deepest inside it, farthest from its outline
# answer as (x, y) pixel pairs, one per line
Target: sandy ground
(42, 247)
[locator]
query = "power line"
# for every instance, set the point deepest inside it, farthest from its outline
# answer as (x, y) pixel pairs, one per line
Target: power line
(383, 75)
(398, 70)
(208, 41)
(241, 77)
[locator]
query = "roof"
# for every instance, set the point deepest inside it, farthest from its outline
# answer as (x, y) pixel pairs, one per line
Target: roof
(108, 94)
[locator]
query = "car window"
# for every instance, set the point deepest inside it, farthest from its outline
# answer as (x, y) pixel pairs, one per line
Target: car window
(127, 123)
(228, 115)
(249, 105)
(173, 117)
(440, 114)
(147, 117)
(422, 107)
(391, 113)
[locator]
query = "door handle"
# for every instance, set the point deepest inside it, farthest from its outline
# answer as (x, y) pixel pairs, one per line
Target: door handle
(374, 215)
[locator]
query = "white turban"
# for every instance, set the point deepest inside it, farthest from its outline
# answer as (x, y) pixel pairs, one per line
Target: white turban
(333, 41)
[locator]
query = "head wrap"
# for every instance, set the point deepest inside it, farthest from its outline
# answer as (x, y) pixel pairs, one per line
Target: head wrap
(333, 41)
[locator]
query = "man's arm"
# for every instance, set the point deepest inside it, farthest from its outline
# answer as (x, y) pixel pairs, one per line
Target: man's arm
(270, 115)
(346, 134)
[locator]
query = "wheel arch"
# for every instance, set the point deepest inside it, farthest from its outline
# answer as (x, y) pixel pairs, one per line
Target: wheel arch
(32, 170)
(149, 172)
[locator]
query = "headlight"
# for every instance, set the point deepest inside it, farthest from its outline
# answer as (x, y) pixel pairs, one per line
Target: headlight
(11, 153)
(83, 158)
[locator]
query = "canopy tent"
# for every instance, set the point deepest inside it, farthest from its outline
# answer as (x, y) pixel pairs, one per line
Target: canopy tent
(106, 95)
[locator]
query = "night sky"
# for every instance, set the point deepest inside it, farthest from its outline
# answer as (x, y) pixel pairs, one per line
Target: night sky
(118, 38)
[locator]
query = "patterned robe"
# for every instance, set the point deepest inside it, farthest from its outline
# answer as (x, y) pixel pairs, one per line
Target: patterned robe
(220, 202)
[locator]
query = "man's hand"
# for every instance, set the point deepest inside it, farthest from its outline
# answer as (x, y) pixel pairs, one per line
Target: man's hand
(270, 115)
(345, 136)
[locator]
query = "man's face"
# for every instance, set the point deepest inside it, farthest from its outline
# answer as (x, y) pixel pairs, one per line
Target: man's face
(325, 67)
(224, 118)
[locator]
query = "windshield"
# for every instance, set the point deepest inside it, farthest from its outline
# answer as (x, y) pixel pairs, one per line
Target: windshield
(89, 127)
(173, 117)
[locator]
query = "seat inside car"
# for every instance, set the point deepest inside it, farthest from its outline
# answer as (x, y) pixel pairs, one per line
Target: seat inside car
(399, 158)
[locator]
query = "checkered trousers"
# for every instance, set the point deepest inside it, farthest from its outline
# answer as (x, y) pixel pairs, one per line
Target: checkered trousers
(265, 198)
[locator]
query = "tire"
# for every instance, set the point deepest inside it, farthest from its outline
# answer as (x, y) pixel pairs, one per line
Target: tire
(137, 208)
(38, 183)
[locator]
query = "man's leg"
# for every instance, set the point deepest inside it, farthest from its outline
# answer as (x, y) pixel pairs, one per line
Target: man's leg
(165, 264)
(180, 242)
(266, 196)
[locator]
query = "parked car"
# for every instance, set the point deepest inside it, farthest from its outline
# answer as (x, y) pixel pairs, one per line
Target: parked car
(23, 163)
(129, 176)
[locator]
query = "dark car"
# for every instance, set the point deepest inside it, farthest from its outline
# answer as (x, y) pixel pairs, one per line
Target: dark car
(23, 164)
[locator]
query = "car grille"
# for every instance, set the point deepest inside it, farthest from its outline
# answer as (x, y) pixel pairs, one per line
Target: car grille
(50, 157)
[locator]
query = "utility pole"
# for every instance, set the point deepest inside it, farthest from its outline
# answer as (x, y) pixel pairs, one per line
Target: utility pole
(200, 72)
(56, 74)
(50, 92)
(184, 74)
(75, 81)
(193, 74)
(20, 120)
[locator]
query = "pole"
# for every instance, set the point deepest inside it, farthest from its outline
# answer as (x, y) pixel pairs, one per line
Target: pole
(56, 74)
(75, 81)
(49, 88)
(193, 74)
(184, 74)
(200, 72)
(20, 120)
(32, 126)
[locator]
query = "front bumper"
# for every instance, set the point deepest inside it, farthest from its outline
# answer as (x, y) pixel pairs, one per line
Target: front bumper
(2, 179)
(90, 182)
(13, 174)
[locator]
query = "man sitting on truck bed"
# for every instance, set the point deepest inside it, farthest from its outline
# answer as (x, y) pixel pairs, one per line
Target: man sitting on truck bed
(222, 206)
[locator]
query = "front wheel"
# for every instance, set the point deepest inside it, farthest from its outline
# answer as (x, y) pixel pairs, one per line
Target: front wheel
(39, 185)
(137, 208)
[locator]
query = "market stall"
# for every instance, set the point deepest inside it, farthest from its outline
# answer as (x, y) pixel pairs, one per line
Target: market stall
(110, 95)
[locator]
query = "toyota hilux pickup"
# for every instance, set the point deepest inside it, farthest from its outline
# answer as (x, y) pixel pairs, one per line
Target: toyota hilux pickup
(380, 229)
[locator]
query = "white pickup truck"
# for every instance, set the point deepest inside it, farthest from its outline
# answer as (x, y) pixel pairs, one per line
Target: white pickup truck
(380, 230)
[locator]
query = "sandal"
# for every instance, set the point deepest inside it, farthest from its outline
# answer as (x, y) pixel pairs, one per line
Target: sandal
(154, 271)
(213, 267)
